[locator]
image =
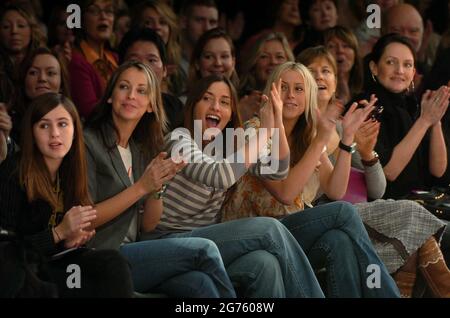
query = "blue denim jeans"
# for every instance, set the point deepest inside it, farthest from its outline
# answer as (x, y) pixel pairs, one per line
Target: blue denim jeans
(179, 267)
(333, 235)
(237, 238)
(257, 275)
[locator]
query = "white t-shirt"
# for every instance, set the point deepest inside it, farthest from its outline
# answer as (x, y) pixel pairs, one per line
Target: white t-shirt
(125, 154)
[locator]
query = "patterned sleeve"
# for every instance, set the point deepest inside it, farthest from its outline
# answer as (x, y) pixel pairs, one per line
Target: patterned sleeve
(202, 168)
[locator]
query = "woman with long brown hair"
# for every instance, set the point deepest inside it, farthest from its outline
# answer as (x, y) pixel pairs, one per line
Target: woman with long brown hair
(45, 199)
(127, 170)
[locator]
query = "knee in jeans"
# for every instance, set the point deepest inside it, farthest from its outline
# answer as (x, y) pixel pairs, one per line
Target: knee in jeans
(347, 210)
(267, 225)
(337, 240)
(207, 248)
(264, 261)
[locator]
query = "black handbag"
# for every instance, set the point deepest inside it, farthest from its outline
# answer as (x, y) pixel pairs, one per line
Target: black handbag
(436, 200)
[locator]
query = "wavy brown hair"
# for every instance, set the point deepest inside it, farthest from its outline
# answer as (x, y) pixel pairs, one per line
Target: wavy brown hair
(33, 172)
(248, 80)
(344, 34)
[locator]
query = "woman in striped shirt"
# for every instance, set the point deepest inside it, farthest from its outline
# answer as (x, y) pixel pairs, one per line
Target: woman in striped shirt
(125, 132)
(194, 196)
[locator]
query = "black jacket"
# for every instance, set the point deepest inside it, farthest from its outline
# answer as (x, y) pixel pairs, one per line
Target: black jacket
(28, 220)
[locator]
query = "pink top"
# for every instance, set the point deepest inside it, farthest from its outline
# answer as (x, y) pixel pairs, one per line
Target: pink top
(356, 189)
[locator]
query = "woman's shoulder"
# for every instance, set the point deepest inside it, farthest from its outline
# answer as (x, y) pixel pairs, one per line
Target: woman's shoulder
(93, 139)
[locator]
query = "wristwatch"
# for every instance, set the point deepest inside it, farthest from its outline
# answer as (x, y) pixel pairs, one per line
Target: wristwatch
(371, 162)
(157, 195)
(350, 149)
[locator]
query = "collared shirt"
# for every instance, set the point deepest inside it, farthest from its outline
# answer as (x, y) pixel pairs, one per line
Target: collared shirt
(104, 63)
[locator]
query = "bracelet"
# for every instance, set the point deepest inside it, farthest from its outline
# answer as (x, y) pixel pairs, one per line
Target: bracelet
(157, 195)
(56, 232)
(371, 162)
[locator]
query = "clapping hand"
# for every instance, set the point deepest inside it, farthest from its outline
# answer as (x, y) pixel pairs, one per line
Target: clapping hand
(434, 105)
(326, 121)
(355, 116)
(159, 171)
(366, 137)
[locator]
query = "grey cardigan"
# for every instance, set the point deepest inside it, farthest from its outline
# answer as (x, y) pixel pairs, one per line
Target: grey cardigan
(107, 177)
(375, 177)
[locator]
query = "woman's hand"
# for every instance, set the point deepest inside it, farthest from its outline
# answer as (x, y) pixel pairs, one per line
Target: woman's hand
(249, 105)
(159, 171)
(277, 103)
(79, 239)
(266, 115)
(326, 121)
(355, 117)
(366, 138)
(76, 219)
(434, 104)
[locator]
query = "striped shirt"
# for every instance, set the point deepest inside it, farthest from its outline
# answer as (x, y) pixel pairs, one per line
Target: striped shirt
(194, 196)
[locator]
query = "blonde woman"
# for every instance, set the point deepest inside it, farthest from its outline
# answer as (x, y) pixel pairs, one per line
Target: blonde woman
(332, 235)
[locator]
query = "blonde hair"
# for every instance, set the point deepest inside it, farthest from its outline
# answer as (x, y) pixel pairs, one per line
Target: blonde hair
(306, 127)
(150, 130)
(248, 71)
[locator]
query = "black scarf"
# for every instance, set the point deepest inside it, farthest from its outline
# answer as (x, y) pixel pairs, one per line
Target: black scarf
(400, 113)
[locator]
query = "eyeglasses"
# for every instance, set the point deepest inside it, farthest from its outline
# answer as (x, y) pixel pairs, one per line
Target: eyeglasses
(96, 11)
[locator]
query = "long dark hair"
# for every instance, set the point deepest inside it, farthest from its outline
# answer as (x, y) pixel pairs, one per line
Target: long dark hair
(196, 94)
(149, 132)
(33, 172)
(384, 41)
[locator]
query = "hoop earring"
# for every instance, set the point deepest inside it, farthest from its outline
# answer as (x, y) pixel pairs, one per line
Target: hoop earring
(373, 77)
